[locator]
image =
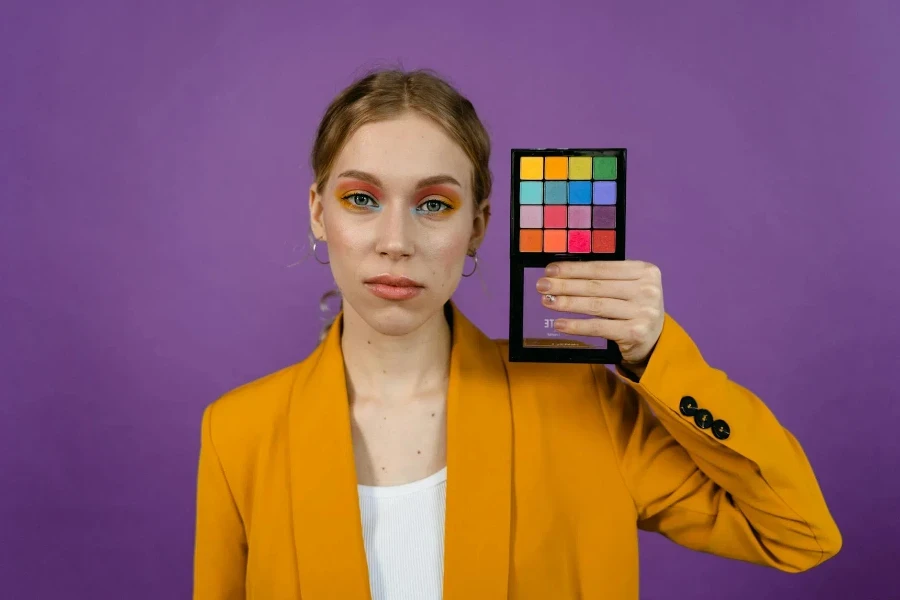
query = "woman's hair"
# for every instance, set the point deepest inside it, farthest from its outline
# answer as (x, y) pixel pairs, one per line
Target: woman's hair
(389, 93)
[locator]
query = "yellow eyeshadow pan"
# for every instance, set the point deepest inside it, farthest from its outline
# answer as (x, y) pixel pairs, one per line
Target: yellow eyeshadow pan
(531, 168)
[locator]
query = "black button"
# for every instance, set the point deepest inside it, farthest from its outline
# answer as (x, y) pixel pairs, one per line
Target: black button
(720, 429)
(703, 418)
(688, 406)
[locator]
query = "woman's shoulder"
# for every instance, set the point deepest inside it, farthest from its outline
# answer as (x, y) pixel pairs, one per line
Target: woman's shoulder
(246, 412)
(258, 393)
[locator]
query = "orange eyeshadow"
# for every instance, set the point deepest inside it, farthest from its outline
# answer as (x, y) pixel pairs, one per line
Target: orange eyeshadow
(555, 240)
(556, 167)
(530, 240)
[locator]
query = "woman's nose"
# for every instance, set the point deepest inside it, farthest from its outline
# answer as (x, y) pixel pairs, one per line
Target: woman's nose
(395, 233)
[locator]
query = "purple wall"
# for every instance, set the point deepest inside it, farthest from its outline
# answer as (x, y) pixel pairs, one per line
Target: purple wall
(153, 186)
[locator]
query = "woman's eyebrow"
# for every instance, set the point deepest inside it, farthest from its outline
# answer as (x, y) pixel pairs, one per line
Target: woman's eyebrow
(374, 180)
(362, 176)
(438, 180)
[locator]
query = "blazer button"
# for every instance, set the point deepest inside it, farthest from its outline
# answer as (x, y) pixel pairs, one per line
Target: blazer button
(703, 418)
(688, 406)
(720, 429)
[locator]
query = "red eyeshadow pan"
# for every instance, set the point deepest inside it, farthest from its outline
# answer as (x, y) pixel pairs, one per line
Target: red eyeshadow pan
(604, 241)
(579, 240)
(555, 217)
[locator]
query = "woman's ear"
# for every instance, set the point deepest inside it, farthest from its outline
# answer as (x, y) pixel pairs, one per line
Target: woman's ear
(316, 213)
(480, 223)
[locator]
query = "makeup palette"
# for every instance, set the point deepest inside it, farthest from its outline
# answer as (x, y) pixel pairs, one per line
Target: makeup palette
(567, 205)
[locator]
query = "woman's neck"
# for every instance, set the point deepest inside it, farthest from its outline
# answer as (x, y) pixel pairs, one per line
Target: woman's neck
(393, 370)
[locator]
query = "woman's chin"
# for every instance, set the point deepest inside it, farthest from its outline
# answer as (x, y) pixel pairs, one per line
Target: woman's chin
(399, 318)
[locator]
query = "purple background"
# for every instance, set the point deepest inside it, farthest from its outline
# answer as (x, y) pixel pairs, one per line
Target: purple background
(153, 182)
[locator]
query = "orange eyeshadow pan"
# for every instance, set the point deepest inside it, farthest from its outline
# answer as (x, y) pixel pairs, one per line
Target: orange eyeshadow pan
(555, 240)
(531, 240)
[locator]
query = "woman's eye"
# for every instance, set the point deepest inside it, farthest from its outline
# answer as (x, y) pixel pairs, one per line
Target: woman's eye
(359, 199)
(433, 205)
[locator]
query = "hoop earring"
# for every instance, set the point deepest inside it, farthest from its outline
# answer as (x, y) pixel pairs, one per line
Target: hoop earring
(474, 256)
(316, 256)
(325, 299)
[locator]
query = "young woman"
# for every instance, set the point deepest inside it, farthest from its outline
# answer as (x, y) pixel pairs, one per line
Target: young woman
(406, 458)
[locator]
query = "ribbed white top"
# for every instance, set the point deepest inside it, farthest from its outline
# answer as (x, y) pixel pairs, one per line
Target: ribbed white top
(403, 529)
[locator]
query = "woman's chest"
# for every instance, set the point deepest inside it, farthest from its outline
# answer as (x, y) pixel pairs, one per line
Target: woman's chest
(399, 444)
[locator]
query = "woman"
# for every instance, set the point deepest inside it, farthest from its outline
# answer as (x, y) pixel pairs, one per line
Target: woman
(407, 458)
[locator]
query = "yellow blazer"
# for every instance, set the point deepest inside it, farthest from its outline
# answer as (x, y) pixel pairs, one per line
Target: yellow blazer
(552, 469)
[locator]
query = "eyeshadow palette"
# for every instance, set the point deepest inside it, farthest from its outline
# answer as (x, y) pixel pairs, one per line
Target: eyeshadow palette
(567, 205)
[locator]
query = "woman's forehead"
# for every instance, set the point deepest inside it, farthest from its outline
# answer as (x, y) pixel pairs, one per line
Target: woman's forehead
(403, 151)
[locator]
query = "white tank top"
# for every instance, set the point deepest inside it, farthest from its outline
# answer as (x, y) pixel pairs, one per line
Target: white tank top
(403, 530)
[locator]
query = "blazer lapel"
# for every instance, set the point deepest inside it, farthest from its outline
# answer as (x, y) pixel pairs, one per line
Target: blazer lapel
(479, 467)
(331, 556)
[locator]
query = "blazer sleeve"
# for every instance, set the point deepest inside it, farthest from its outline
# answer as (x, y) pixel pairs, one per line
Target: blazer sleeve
(709, 466)
(220, 548)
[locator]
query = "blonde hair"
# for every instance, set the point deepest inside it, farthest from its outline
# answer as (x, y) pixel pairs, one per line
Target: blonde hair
(388, 93)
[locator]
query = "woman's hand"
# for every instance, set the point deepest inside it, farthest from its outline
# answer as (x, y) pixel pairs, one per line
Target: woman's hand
(623, 298)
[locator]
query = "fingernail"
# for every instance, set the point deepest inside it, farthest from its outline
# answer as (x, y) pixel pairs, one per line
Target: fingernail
(543, 285)
(559, 324)
(551, 270)
(550, 298)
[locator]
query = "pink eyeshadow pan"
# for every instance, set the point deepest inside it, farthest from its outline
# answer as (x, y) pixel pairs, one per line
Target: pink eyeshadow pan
(580, 217)
(531, 217)
(579, 240)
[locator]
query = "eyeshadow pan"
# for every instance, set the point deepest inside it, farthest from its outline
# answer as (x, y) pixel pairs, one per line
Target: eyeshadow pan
(531, 167)
(556, 167)
(604, 241)
(604, 217)
(580, 167)
(580, 240)
(604, 192)
(531, 192)
(579, 192)
(579, 217)
(530, 240)
(555, 192)
(555, 217)
(554, 240)
(531, 217)
(605, 167)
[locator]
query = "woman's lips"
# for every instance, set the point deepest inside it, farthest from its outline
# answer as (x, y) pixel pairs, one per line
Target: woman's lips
(394, 287)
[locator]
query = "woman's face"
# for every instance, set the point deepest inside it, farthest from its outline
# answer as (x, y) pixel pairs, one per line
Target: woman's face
(398, 215)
